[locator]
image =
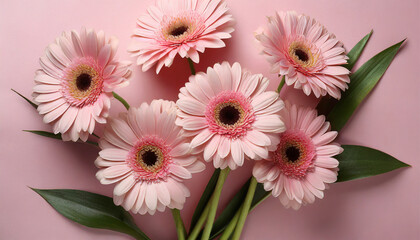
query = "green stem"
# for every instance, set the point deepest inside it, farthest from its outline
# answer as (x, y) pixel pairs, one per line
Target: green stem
(93, 134)
(191, 63)
(231, 226)
(197, 228)
(180, 228)
(214, 202)
(245, 209)
(119, 98)
(281, 84)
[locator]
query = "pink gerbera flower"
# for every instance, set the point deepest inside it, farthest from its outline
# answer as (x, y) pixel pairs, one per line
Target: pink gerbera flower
(302, 50)
(179, 27)
(146, 154)
(74, 86)
(298, 170)
(230, 115)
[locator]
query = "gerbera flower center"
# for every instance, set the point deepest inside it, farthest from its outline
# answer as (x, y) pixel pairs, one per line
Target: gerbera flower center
(295, 154)
(149, 159)
(178, 31)
(83, 81)
(229, 114)
(301, 55)
(292, 153)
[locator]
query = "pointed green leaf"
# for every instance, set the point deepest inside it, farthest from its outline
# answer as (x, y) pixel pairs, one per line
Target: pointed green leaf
(45, 134)
(26, 99)
(91, 210)
(360, 162)
(122, 100)
(361, 83)
(55, 136)
(356, 51)
(205, 197)
(327, 103)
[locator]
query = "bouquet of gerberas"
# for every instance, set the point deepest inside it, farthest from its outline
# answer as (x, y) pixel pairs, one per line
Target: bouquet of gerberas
(225, 115)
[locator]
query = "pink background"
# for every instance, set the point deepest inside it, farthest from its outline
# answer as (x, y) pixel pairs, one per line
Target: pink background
(381, 207)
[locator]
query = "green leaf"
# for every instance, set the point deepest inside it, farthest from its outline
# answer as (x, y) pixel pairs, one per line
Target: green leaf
(360, 162)
(122, 100)
(91, 210)
(259, 196)
(361, 83)
(45, 134)
(205, 197)
(55, 136)
(357, 50)
(328, 102)
(26, 99)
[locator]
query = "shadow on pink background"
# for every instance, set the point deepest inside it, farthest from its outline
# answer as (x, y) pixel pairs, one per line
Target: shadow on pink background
(382, 207)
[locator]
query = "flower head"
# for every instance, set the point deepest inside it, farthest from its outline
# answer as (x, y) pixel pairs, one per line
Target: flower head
(179, 27)
(298, 170)
(302, 50)
(146, 154)
(230, 115)
(75, 83)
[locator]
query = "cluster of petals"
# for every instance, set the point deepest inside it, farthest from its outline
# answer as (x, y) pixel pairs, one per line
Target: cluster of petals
(179, 27)
(301, 49)
(146, 155)
(230, 115)
(298, 171)
(74, 86)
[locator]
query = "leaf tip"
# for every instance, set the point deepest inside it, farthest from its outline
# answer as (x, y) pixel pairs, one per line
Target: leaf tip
(34, 189)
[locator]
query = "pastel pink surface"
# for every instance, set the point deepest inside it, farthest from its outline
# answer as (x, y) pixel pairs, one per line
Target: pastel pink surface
(381, 207)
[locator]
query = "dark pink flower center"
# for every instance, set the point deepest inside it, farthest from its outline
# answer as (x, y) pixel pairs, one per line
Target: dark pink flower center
(230, 114)
(295, 154)
(304, 56)
(149, 159)
(82, 82)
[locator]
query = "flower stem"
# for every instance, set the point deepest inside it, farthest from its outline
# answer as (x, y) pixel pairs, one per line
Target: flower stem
(180, 229)
(191, 63)
(231, 226)
(214, 202)
(245, 209)
(281, 84)
(119, 98)
(196, 230)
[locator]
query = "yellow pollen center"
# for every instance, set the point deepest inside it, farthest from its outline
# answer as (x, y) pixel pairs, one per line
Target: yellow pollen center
(302, 54)
(150, 158)
(82, 81)
(229, 114)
